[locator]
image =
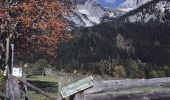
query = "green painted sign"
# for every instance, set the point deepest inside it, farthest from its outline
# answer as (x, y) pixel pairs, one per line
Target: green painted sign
(77, 87)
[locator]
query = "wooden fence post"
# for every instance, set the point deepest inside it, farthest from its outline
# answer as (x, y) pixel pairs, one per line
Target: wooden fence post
(14, 92)
(6, 72)
(7, 57)
(24, 87)
(71, 80)
(60, 86)
(79, 96)
(12, 57)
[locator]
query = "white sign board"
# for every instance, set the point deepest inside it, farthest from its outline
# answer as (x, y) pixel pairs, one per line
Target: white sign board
(77, 87)
(17, 72)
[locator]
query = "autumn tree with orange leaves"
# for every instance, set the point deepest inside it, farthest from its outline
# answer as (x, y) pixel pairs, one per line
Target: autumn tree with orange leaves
(34, 26)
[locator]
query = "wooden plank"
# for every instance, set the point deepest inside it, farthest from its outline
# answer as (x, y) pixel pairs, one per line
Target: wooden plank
(60, 86)
(7, 51)
(12, 56)
(25, 86)
(79, 96)
(152, 95)
(125, 84)
(77, 87)
(14, 91)
(23, 89)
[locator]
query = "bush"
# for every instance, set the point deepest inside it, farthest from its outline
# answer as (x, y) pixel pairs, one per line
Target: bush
(119, 71)
(42, 63)
(104, 67)
(153, 74)
(167, 71)
(99, 68)
(161, 74)
(110, 65)
(132, 69)
(141, 74)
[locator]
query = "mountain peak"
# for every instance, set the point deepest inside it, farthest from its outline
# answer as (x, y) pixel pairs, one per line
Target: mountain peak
(88, 13)
(129, 5)
(156, 10)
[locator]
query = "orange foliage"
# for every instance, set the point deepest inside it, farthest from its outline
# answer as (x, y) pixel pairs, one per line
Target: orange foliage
(42, 27)
(27, 19)
(2, 15)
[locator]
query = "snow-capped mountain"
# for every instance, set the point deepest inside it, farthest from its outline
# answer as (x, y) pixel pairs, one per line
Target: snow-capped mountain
(156, 10)
(88, 13)
(129, 5)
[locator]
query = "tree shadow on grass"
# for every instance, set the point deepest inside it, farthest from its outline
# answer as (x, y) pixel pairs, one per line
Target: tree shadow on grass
(47, 86)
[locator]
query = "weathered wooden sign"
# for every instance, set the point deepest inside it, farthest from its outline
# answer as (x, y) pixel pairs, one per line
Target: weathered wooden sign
(17, 72)
(77, 87)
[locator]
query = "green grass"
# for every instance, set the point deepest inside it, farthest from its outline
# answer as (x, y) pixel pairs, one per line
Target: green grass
(36, 96)
(43, 78)
(46, 83)
(2, 82)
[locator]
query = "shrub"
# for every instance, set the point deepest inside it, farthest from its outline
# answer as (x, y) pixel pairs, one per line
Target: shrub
(119, 71)
(104, 67)
(167, 71)
(41, 63)
(153, 74)
(132, 69)
(161, 73)
(110, 64)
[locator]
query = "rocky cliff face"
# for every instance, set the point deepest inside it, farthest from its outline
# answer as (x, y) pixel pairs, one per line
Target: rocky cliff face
(156, 10)
(88, 13)
(129, 5)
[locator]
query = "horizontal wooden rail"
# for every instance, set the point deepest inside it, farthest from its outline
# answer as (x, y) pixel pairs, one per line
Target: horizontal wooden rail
(28, 97)
(36, 89)
(152, 95)
(125, 84)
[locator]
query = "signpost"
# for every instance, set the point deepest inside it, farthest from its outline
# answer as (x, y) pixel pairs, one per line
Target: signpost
(77, 87)
(17, 72)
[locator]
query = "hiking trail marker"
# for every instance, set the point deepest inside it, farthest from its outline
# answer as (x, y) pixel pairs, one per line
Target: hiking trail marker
(77, 87)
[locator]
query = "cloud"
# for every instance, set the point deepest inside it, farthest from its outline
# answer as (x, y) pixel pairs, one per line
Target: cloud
(110, 1)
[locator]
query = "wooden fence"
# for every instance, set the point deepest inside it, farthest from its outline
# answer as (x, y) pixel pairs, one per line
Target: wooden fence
(18, 86)
(104, 90)
(110, 90)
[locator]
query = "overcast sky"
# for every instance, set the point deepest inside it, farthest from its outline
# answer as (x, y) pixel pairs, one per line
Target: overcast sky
(110, 3)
